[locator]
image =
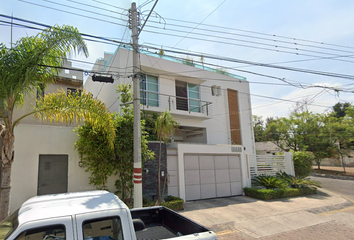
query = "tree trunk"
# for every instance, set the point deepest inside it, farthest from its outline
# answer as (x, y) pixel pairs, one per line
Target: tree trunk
(343, 163)
(6, 157)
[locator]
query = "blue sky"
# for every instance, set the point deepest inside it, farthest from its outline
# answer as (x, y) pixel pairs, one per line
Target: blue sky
(316, 34)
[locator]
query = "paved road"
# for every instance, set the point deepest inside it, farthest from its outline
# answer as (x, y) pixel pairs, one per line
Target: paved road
(337, 224)
(341, 187)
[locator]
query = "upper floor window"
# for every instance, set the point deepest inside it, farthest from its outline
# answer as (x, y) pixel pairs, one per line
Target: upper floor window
(149, 89)
(187, 97)
(193, 93)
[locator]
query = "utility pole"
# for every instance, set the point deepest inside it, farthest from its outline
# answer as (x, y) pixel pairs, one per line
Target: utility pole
(138, 189)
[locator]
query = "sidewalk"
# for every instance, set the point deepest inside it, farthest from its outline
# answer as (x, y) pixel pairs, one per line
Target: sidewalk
(256, 218)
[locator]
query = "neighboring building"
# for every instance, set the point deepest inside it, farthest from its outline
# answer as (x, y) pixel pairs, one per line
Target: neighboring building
(263, 148)
(45, 159)
(209, 153)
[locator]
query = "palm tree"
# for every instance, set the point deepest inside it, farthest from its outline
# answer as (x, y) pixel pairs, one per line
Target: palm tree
(165, 125)
(32, 63)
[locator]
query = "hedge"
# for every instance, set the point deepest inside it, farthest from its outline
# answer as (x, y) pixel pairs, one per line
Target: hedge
(267, 194)
(171, 202)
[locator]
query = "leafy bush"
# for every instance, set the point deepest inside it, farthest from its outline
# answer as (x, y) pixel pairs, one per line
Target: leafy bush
(267, 194)
(269, 182)
(171, 202)
(303, 162)
(175, 205)
(297, 182)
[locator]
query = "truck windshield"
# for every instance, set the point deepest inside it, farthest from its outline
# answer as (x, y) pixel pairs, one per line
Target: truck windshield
(9, 225)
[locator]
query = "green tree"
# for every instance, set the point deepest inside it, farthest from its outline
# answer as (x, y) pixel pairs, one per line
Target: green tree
(303, 162)
(305, 131)
(124, 145)
(258, 128)
(341, 128)
(31, 63)
(340, 109)
(165, 126)
(96, 154)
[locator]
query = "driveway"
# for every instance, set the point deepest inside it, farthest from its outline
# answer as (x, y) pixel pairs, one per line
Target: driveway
(246, 218)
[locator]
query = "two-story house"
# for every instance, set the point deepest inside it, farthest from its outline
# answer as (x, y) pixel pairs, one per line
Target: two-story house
(208, 156)
(45, 160)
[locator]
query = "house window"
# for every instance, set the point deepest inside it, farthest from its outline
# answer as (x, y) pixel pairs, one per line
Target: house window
(73, 91)
(193, 93)
(187, 96)
(149, 89)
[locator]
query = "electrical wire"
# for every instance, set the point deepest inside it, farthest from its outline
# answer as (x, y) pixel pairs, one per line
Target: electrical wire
(72, 13)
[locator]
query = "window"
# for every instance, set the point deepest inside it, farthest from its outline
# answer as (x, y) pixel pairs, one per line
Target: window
(103, 229)
(193, 93)
(73, 91)
(54, 232)
(149, 89)
(9, 225)
(187, 96)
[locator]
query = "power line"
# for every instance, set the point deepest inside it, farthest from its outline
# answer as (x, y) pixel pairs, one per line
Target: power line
(200, 23)
(249, 46)
(328, 74)
(246, 36)
(260, 33)
(276, 47)
(72, 13)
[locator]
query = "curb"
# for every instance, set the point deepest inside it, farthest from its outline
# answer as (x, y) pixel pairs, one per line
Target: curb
(332, 176)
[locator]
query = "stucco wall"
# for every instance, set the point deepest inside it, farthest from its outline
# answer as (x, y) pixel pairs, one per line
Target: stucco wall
(32, 140)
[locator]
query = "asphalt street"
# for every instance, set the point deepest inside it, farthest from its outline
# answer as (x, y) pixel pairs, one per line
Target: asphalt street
(326, 216)
(339, 186)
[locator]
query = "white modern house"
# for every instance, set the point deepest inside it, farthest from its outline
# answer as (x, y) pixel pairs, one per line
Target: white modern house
(209, 154)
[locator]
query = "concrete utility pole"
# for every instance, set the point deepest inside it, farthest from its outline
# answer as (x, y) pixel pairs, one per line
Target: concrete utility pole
(138, 189)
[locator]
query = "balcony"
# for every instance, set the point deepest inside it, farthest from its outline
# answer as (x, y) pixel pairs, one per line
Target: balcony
(159, 102)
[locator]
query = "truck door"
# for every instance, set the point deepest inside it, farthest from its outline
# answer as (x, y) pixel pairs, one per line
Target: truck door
(105, 225)
(48, 229)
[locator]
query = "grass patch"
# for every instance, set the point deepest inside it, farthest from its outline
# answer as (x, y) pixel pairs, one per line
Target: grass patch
(268, 194)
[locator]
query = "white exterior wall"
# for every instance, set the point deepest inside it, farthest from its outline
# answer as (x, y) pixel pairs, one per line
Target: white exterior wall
(33, 140)
(216, 124)
(183, 149)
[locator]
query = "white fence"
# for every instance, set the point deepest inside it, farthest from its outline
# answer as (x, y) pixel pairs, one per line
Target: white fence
(271, 164)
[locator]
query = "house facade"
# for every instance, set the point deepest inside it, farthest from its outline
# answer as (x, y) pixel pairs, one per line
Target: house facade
(208, 154)
(45, 160)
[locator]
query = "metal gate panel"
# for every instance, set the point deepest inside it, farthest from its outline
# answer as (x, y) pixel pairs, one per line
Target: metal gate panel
(210, 176)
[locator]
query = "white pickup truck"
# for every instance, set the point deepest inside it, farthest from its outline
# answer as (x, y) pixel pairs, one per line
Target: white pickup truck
(96, 215)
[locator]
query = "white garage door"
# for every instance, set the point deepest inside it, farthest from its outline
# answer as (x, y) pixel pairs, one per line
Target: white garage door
(211, 176)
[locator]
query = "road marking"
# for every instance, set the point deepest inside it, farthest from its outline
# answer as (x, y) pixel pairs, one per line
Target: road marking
(337, 211)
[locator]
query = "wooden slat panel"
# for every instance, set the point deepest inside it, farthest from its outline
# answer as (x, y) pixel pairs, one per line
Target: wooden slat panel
(234, 114)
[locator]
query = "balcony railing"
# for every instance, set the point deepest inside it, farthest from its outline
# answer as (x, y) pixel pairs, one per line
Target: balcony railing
(175, 103)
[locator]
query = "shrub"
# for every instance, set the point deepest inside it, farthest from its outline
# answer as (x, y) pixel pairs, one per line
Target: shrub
(303, 162)
(174, 203)
(269, 182)
(297, 182)
(267, 194)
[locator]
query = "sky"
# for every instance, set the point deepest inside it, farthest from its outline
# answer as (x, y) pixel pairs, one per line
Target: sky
(301, 35)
